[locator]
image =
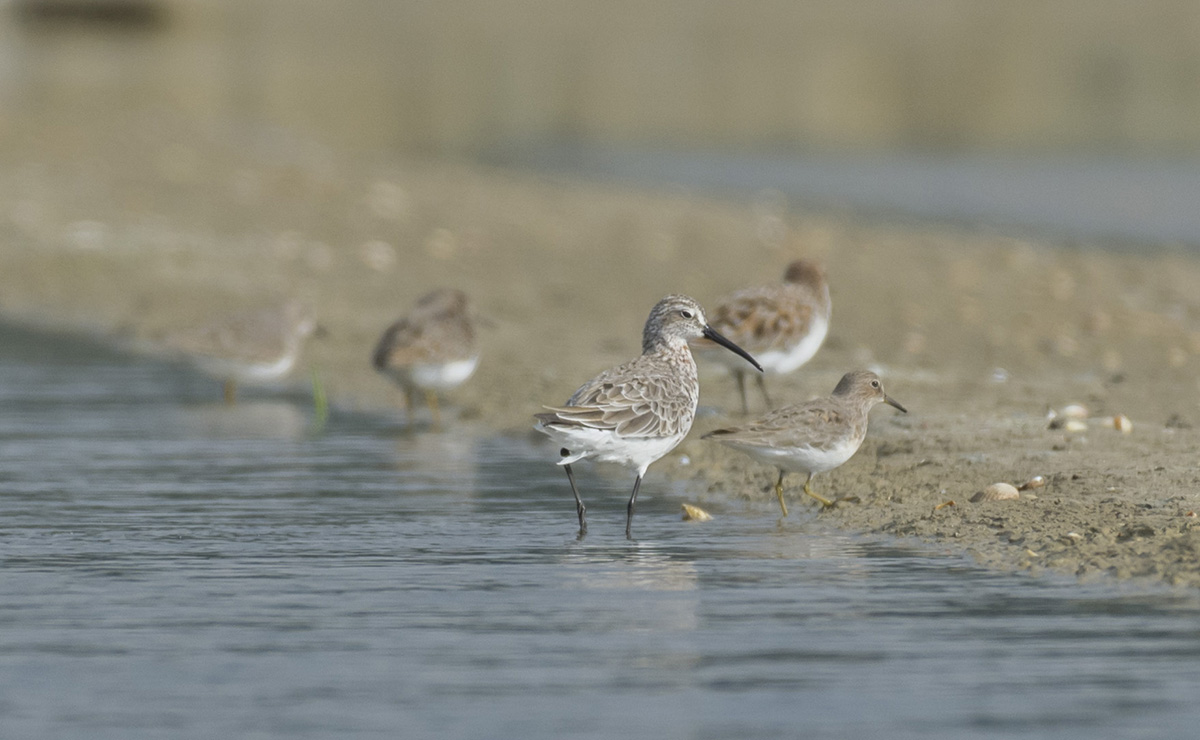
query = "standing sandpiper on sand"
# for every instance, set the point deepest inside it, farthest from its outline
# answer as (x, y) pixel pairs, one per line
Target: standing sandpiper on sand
(635, 413)
(811, 437)
(432, 349)
(249, 347)
(783, 324)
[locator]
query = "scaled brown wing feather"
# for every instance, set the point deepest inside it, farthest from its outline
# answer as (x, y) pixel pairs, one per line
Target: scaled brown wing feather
(412, 340)
(623, 401)
(761, 320)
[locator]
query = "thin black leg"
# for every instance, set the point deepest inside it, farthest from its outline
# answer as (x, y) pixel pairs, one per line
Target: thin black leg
(740, 377)
(637, 483)
(579, 507)
(762, 386)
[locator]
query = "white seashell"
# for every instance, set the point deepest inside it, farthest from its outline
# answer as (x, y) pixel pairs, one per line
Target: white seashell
(1075, 425)
(1072, 418)
(695, 514)
(996, 492)
(1122, 424)
(1036, 481)
(1075, 411)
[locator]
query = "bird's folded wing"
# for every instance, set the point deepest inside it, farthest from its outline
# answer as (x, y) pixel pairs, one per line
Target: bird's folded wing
(762, 321)
(402, 344)
(631, 408)
(788, 426)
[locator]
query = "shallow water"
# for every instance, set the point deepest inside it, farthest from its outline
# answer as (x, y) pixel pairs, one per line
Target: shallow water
(176, 568)
(1118, 200)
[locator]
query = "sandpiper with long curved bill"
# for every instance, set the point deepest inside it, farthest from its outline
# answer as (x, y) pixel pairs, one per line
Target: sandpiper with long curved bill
(811, 437)
(635, 413)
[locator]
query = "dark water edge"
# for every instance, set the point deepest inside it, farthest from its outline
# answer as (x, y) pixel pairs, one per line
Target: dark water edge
(177, 568)
(1128, 203)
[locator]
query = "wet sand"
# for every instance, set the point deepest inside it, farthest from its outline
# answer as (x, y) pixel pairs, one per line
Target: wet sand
(977, 333)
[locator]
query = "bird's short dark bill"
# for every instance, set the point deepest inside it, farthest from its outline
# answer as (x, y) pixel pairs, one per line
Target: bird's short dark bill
(714, 335)
(888, 400)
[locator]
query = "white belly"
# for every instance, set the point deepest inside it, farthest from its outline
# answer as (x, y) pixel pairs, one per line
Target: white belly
(785, 361)
(777, 361)
(801, 459)
(604, 445)
(440, 376)
(246, 371)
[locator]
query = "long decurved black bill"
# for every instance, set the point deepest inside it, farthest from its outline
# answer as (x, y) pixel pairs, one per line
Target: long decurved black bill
(892, 402)
(714, 335)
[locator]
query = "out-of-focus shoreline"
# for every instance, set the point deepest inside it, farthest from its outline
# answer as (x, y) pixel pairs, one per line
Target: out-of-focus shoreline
(976, 333)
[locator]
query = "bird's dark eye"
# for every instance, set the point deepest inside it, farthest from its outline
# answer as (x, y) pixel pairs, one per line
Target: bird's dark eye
(874, 383)
(685, 314)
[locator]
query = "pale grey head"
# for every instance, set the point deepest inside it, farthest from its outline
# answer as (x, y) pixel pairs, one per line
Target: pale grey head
(676, 319)
(864, 387)
(673, 320)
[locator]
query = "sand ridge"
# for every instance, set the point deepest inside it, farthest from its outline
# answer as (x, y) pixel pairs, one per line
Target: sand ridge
(979, 334)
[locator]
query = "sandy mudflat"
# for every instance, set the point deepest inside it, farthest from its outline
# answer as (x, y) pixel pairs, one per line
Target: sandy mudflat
(976, 333)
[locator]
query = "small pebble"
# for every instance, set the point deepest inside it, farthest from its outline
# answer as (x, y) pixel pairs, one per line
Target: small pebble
(997, 492)
(88, 235)
(695, 514)
(378, 255)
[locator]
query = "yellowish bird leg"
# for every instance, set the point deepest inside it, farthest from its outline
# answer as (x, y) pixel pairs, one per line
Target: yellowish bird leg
(808, 489)
(779, 493)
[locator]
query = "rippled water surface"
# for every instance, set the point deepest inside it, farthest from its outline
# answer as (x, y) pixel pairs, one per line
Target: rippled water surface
(176, 568)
